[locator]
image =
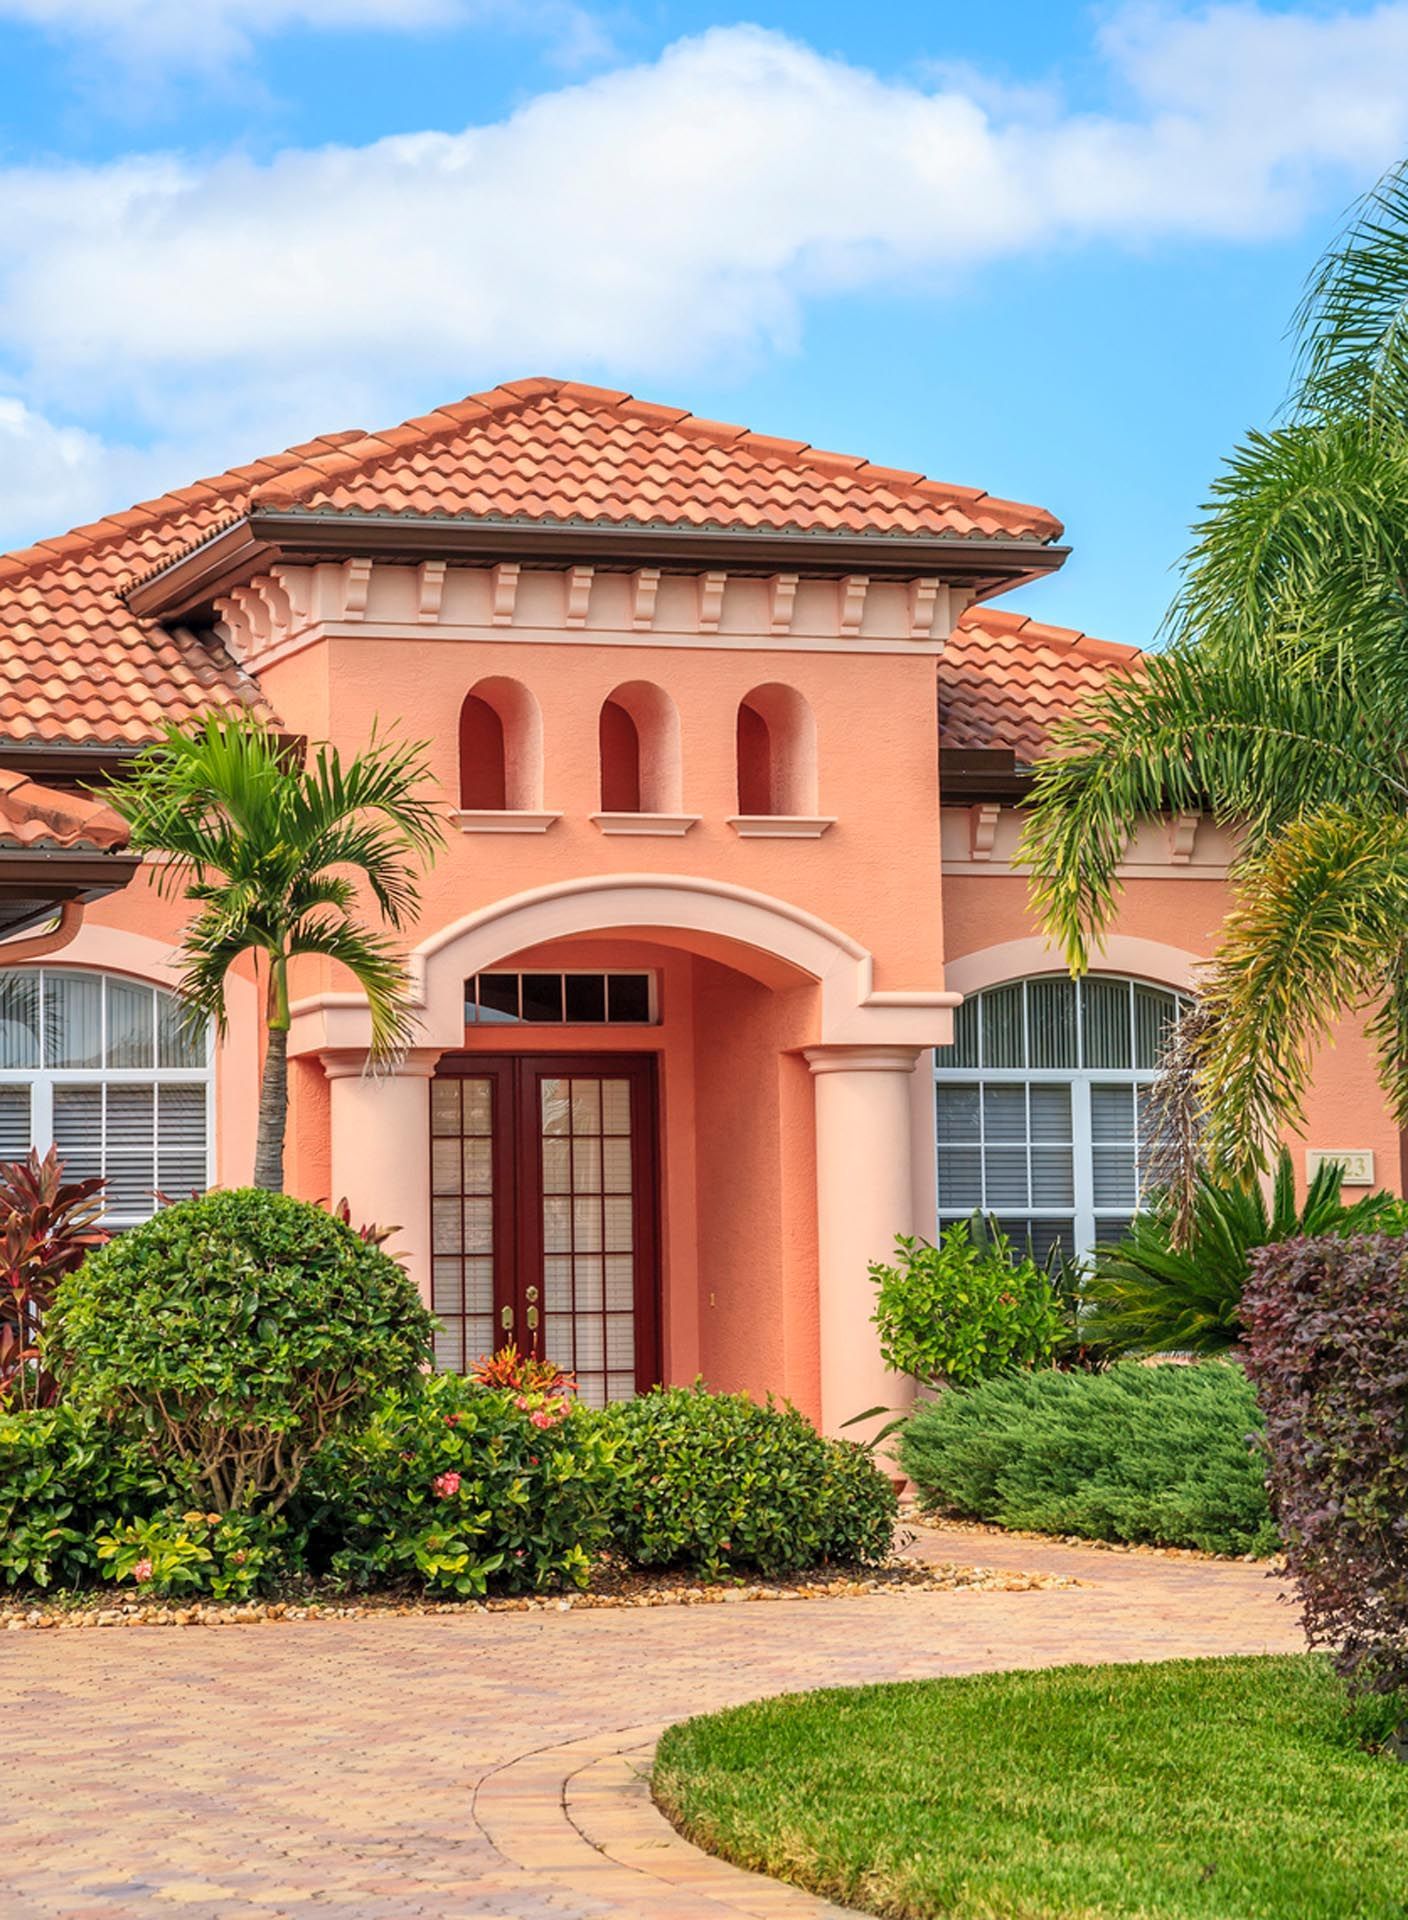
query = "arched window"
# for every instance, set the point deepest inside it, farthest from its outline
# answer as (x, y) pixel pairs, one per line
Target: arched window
(1042, 1106)
(501, 748)
(105, 1069)
(776, 753)
(640, 750)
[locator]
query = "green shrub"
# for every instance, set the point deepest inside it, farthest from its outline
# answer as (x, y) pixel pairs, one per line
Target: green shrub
(965, 1309)
(717, 1482)
(1151, 1295)
(241, 1330)
(66, 1478)
(1162, 1455)
(454, 1485)
(229, 1555)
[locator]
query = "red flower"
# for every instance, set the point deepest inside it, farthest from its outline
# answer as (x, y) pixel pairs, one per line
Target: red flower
(445, 1484)
(541, 1419)
(452, 1419)
(142, 1571)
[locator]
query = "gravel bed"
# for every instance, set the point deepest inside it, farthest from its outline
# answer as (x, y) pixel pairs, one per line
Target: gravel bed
(612, 1589)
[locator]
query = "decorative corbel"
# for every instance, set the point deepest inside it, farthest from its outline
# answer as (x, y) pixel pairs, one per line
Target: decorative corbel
(579, 593)
(711, 600)
(982, 829)
(356, 585)
(645, 585)
(924, 606)
(853, 589)
(783, 599)
(504, 591)
(1182, 837)
(430, 579)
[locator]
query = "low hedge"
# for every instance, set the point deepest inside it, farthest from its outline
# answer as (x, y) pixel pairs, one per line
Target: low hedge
(67, 1479)
(452, 1486)
(456, 1485)
(716, 1482)
(1165, 1456)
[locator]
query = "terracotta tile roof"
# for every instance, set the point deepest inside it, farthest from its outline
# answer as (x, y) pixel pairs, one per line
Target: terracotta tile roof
(77, 665)
(1004, 680)
(556, 451)
(36, 817)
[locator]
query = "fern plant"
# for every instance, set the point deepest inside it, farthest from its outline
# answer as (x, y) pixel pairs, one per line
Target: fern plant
(1162, 1291)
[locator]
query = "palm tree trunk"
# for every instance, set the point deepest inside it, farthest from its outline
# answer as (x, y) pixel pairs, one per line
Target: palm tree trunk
(273, 1114)
(273, 1085)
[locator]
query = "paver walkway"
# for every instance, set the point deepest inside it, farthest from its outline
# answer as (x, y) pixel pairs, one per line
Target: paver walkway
(437, 1766)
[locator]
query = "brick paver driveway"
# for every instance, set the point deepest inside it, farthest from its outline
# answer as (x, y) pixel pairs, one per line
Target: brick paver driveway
(488, 1764)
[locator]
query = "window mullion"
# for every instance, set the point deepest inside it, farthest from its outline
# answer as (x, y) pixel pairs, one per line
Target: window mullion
(1084, 1164)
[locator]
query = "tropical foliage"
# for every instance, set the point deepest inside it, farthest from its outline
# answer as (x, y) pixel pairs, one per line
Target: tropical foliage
(1162, 1291)
(1281, 707)
(47, 1227)
(275, 845)
(964, 1309)
(1328, 1323)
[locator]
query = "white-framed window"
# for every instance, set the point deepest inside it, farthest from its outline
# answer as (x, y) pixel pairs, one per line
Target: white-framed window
(1041, 1106)
(106, 1069)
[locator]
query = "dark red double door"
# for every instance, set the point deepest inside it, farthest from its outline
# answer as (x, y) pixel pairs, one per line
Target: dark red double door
(543, 1214)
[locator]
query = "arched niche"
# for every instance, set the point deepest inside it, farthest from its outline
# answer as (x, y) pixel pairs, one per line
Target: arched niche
(640, 750)
(776, 753)
(501, 747)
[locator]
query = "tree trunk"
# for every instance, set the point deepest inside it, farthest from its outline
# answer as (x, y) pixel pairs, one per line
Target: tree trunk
(273, 1114)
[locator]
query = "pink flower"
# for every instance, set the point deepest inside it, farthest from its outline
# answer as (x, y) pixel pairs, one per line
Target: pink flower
(522, 1402)
(142, 1571)
(445, 1484)
(541, 1419)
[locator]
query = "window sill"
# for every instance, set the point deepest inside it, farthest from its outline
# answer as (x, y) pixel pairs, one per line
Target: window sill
(781, 826)
(674, 825)
(502, 820)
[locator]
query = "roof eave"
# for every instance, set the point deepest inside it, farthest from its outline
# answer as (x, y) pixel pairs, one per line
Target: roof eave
(264, 537)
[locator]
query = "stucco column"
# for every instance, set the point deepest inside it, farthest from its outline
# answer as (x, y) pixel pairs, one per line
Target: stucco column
(864, 1197)
(381, 1149)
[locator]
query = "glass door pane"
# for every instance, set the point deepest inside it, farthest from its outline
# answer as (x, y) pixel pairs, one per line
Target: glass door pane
(462, 1223)
(588, 1232)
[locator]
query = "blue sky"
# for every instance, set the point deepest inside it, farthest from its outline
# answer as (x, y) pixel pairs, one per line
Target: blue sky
(1046, 249)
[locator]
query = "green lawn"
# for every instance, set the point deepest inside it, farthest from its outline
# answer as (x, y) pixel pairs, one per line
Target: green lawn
(1231, 1789)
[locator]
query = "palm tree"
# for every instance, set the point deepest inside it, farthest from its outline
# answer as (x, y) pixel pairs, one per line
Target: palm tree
(1280, 706)
(274, 844)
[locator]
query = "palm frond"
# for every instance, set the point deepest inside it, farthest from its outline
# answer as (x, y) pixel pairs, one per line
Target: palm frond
(1315, 935)
(379, 970)
(1353, 320)
(1249, 739)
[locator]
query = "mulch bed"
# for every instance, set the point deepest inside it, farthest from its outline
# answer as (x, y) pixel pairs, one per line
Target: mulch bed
(612, 1587)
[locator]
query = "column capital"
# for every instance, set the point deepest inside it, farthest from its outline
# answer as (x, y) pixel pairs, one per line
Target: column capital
(348, 1063)
(852, 1059)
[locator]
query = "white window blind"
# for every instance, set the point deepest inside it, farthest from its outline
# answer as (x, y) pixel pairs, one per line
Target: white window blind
(1042, 1106)
(112, 1073)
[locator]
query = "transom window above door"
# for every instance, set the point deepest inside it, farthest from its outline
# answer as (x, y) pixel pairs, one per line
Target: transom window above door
(109, 1071)
(1042, 1106)
(610, 999)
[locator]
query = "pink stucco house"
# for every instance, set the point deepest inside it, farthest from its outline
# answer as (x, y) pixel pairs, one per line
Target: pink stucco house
(727, 974)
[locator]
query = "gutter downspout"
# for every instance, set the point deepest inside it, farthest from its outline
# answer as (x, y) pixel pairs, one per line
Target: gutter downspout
(15, 953)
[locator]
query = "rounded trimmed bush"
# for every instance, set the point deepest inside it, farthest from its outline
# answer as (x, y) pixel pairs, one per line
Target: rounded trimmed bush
(241, 1329)
(455, 1485)
(715, 1481)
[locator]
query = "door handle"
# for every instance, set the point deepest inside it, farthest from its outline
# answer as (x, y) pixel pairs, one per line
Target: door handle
(506, 1319)
(532, 1318)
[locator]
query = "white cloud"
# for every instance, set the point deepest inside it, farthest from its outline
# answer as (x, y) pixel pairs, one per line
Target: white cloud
(213, 34)
(661, 216)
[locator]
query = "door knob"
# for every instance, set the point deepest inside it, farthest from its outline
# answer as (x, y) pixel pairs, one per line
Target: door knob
(532, 1318)
(506, 1319)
